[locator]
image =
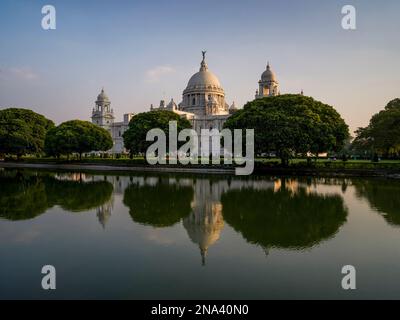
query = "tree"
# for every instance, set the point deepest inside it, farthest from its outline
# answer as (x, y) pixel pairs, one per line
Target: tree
(382, 135)
(77, 137)
(23, 196)
(135, 136)
(291, 124)
(77, 196)
(283, 218)
(160, 205)
(28, 194)
(22, 131)
(382, 197)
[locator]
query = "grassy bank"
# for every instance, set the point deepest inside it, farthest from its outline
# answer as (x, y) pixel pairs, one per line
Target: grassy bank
(266, 166)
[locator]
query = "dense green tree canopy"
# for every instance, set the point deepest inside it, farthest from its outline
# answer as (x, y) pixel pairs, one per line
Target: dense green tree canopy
(135, 136)
(291, 124)
(77, 137)
(161, 205)
(77, 196)
(283, 219)
(382, 135)
(26, 195)
(22, 197)
(383, 196)
(22, 131)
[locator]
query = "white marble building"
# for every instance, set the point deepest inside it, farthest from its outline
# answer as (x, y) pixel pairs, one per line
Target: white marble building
(203, 101)
(103, 116)
(203, 104)
(268, 85)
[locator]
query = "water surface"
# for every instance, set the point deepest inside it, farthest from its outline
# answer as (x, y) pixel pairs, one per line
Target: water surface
(193, 236)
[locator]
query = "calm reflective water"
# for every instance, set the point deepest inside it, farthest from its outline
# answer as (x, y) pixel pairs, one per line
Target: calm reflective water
(183, 236)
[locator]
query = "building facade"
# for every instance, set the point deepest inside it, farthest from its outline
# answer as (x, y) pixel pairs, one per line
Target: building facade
(203, 101)
(268, 85)
(103, 116)
(203, 104)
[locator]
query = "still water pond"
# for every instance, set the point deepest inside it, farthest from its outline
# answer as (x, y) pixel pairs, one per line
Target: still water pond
(200, 237)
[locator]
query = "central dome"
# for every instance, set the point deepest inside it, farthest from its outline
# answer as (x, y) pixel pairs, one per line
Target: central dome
(204, 94)
(203, 78)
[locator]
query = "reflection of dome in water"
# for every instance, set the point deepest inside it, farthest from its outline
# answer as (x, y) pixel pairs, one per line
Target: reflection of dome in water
(204, 226)
(104, 212)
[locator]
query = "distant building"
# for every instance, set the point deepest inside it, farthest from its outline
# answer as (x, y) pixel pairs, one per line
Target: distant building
(103, 116)
(268, 85)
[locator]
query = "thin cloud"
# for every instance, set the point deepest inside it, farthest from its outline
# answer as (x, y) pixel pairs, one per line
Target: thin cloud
(18, 73)
(155, 74)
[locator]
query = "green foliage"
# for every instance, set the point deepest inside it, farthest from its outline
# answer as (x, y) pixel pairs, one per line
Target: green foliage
(283, 219)
(382, 135)
(161, 205)
(135, 136)
(25, 196)
(77, 196)
(382, 195)
(22, 197)
(22, 131)
(77, 136)
(290, 125)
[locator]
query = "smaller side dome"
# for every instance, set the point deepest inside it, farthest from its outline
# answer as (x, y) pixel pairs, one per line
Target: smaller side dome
(172, 105)
(268, 74)
(233, 108)
(102, 96)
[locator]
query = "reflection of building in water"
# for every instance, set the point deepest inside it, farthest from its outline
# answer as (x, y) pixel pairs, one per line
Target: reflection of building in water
(104, 212)
(204, 227)
(205, 222)
(73, 176)
(291, 185)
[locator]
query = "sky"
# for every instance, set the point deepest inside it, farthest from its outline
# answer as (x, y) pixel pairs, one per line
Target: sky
(145, 51)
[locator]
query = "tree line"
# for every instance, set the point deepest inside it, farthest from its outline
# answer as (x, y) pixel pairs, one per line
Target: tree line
(25, 132)
(381, 138)
(286, 126)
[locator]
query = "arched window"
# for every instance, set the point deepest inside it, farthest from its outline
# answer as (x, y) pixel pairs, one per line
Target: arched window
(193, 101)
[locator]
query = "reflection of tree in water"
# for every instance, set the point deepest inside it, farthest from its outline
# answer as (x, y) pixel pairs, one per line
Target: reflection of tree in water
(77, 196)
(22, 197)
(283, 219)
(27, 195)
(383, 196)
(159, 205)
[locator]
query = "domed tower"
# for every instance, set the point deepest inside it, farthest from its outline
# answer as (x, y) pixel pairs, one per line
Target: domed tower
(233, 108)
(268, 85)
(204, 94)
(102, 114)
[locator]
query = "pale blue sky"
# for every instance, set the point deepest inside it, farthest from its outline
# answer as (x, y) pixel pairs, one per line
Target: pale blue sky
(143, 51)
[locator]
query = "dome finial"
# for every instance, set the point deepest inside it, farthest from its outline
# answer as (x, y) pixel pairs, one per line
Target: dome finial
(203, 66)
(268, 67)
(203, 253)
